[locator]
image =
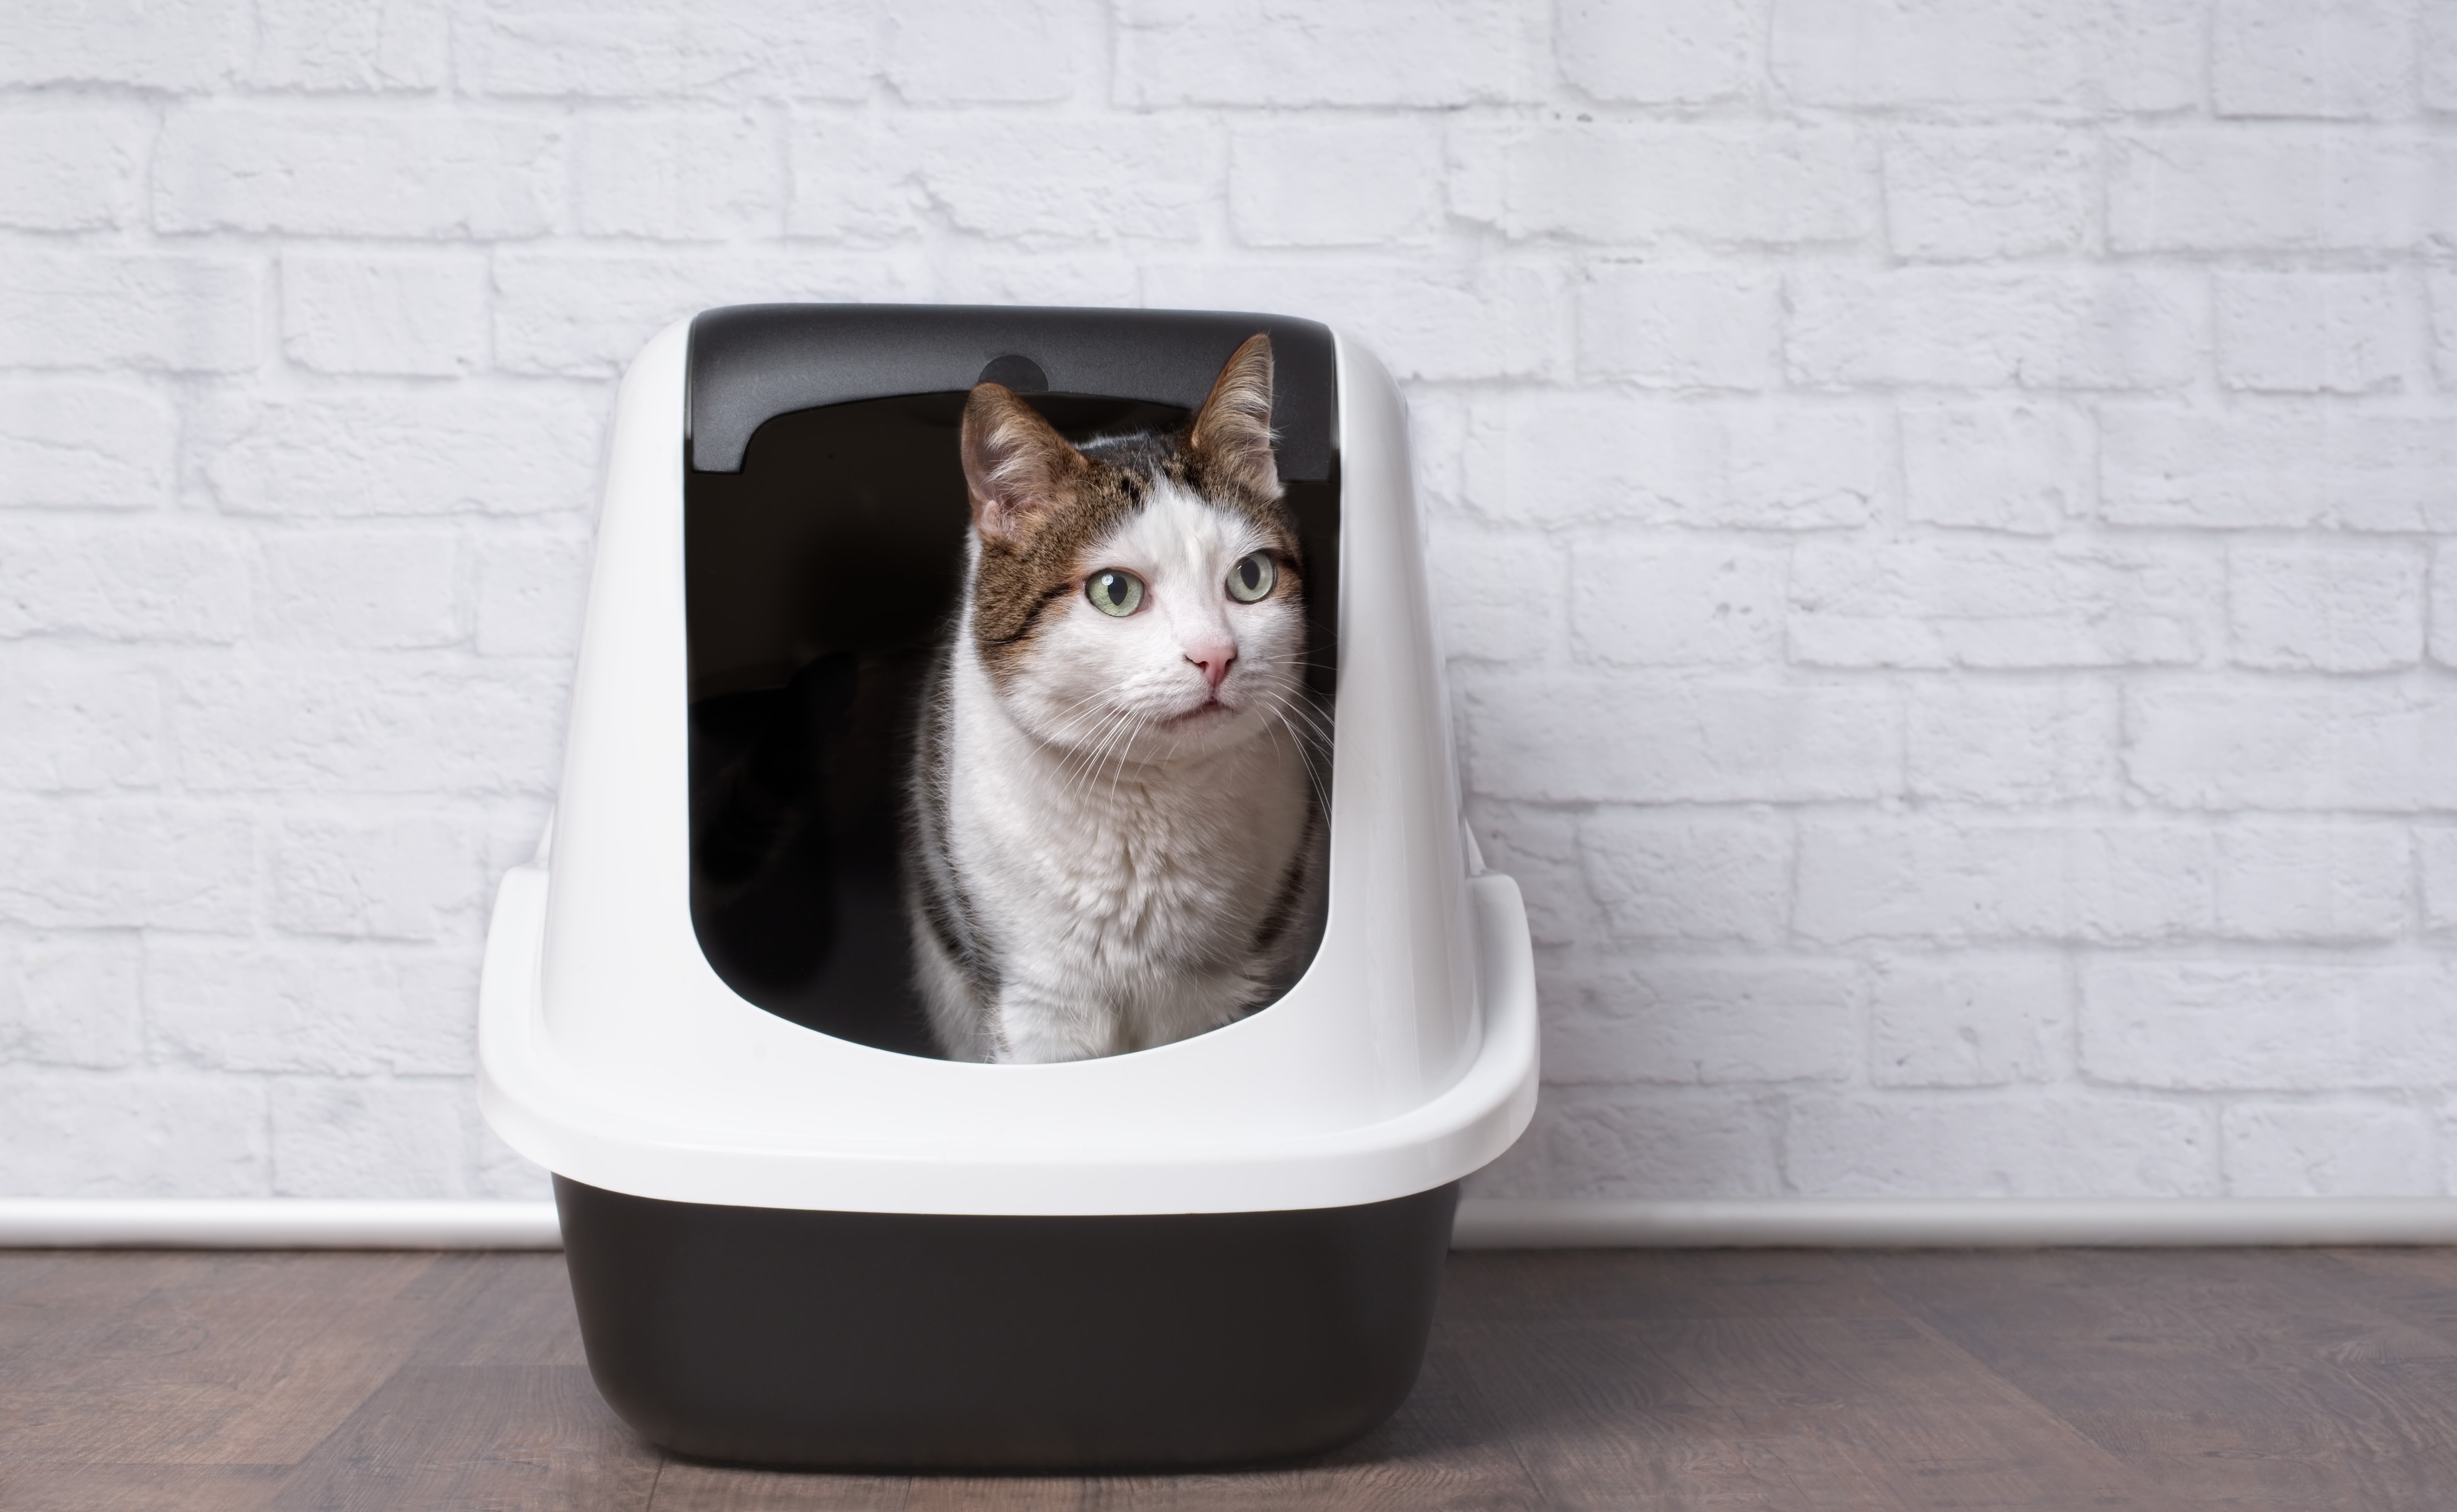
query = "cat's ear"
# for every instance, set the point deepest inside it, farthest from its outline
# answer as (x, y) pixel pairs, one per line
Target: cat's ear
(1017, 468)
(1232, 432)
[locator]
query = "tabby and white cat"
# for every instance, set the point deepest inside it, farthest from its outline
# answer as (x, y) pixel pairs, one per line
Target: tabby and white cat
(1114, 840)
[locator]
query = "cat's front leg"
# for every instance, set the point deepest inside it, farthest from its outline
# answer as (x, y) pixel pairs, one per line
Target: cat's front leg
(1036, 1027)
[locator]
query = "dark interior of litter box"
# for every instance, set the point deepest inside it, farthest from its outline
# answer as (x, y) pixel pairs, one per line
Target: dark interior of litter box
(821, 569)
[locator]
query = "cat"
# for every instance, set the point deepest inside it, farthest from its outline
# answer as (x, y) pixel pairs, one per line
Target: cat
(1115, 840)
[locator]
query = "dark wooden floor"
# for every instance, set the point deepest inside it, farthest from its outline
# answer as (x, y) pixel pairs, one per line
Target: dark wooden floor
(1705, 1378)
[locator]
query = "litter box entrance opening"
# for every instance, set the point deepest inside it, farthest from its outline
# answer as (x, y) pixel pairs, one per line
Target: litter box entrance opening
(817, 582)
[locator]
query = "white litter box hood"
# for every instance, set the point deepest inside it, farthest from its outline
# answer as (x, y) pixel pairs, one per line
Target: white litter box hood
(611, 1052)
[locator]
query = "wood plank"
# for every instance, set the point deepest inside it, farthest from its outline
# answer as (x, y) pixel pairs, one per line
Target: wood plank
(1782, 1413)
(2252, 1377)
(205, 1359)
(1611, 1285)
(507, 1438)
(688, 1485)
(1442, 1449)
(2312, 1378)
(140, 1488)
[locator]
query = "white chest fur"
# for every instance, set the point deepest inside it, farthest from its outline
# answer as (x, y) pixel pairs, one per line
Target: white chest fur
(1121, 901)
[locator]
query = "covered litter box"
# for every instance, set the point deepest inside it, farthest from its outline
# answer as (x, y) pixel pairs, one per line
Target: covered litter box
(794, 1235)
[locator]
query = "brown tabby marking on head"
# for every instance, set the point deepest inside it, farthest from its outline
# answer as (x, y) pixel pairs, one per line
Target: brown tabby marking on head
(1040, 505)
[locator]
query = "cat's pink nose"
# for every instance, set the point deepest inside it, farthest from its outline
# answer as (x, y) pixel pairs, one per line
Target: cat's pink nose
(1213, 657)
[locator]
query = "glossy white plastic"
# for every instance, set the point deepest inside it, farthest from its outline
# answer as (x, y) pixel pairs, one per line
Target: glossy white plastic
(611, 1051)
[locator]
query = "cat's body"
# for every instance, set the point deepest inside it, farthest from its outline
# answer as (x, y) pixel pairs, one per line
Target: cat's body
(1115, 843)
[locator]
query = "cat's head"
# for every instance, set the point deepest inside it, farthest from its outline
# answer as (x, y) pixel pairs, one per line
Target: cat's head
(1138, 597)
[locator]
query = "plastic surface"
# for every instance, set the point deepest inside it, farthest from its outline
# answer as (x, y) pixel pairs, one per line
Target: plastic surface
(751, 363)
(855, 1339)
(612, 1053)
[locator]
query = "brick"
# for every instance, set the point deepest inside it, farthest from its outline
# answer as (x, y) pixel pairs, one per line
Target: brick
(2444, 605)
(1539, 848)
(1498, 595)
(382, 876)
(2315, 333)
(380, 312)
(144, 1135)
(798, 50)
(2438, 850)
(2083, 58)
(71, 1002)
(2337, 1149)
(589, 315)
(67, 725)
(2222, 1025)
(2255, 190)
(166, 311)
(1626, 738)
(2277, 469)
(436, 450)
(2438, 45)
(2048, 1143)
(978, 273)
(1970, 195)
(2441, 290)
(1036, 182)
(1558, 458)
(1961, 882)
(1651, 1142)
(852, 178)
(1338, 180)
(1967, 1021)
(1994, 327)
(1624, 183)
(173, 45)
(2332, 882)
(1717, 327)
(2007, 744)
(1382, 52)
(343, 724)
(1484, 321)
(2355, 746)
(376, 590)
(79, 444)
(532, 589)
(2318, 608)
(2023, 467)
(335, 45)
(1688, 878)
(988, 52)
(122, 580)
(358, 172)
(1691, 53)
(127, 863)
(2343, 58)
(1673, 602)
(1711, 1021)
(370, 1139)
(337, 1011)
(73, 167)
(1960, 604)
(670, 175)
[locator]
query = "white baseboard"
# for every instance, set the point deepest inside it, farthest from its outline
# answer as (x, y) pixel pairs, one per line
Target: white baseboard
(1484, 1223)
(274, 1223)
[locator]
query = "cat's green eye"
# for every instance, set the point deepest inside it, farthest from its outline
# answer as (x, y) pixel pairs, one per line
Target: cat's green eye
(1251, 577)
(1114, 593)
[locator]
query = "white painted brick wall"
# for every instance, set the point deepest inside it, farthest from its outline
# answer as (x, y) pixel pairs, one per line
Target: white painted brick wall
(1944, 516)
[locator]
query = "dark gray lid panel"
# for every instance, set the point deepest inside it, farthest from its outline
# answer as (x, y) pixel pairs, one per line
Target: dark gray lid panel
(751, 363)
